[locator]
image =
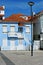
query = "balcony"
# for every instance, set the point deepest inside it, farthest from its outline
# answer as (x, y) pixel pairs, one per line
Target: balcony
(15, 35)
(20, 35)
(12, 35)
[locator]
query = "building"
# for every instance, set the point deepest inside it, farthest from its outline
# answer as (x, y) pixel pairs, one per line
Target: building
(14, 35)
(38, 29)
(15, 31)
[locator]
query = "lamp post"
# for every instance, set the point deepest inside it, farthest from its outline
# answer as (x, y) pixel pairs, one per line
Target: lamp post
(31, 4)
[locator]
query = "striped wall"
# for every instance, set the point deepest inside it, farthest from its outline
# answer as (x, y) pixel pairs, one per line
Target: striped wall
(15, 43)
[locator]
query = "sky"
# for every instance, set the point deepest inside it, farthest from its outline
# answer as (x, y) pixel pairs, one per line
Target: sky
(21, 6)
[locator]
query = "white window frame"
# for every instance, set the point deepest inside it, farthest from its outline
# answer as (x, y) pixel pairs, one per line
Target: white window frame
(4, 28)
(12, 28)
(27, 29)
(2, 12)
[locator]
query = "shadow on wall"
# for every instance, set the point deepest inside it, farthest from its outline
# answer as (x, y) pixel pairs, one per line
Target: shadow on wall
(6, 60)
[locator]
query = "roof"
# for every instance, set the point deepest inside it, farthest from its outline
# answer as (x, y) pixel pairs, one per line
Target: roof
(39, 13)
(19, 18)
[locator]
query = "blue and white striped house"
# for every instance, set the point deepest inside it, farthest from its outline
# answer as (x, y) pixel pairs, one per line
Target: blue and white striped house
(14, 36)
(11, 39)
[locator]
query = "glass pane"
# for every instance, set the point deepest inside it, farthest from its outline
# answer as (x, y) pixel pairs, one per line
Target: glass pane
(12, 29)
(4, 29)
(27, 29)
(41, 36)
(20, 29)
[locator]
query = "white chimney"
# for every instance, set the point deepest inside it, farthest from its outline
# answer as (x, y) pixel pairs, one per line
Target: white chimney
(33, 13)
(3, 7)
(3, 18)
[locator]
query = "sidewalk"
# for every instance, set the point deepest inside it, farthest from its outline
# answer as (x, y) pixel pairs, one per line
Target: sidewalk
(21, 58)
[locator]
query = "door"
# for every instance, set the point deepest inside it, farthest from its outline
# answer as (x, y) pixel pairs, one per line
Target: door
(12, 45)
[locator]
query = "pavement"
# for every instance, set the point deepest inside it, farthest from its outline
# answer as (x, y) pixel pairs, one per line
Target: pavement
(21, 58)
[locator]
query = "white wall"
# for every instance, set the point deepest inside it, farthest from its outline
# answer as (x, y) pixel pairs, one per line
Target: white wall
(2, 12)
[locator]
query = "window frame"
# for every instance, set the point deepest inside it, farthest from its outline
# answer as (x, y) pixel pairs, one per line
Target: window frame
(27, 31)
(19, 29)
(12, 27)
(3, 31)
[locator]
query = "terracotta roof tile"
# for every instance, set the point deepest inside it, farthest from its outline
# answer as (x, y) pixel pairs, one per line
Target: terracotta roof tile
(17, 18)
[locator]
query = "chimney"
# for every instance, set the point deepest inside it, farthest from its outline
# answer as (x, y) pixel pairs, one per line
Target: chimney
(3, 7)
(3, 17)
(33, 13)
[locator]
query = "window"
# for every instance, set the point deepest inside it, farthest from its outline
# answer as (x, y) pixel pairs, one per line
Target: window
(20, 29)
(36, 37)
(12, 28)
(4, 28)
(27, 29)
(2, 12)
(41, 26)
(4, 42)
(41, 44)
(41, 36)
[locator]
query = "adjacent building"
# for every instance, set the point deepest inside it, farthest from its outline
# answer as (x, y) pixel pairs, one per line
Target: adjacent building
(38, 29)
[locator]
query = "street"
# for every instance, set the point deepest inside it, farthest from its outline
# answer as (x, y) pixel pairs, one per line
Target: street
(21, 58)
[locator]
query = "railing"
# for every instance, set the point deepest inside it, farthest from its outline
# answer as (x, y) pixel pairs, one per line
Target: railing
(12, 34)
(15, 35)
(20, 35)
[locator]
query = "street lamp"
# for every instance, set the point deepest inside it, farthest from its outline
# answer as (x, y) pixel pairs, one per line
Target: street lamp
(31, 4)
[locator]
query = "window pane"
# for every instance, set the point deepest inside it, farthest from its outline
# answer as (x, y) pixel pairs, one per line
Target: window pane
(12, 29)
(41, 37)
(28, 29)
(2, 12)
(20, 29)
(36, 37)
(41, 26)
(4, 29)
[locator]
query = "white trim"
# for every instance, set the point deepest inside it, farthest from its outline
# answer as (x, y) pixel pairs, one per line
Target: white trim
(4, 42)
(4, 28)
